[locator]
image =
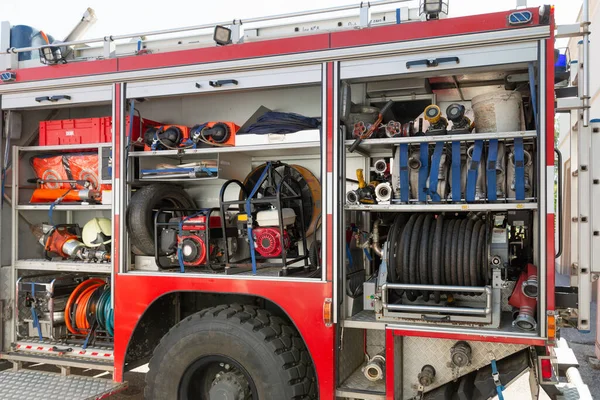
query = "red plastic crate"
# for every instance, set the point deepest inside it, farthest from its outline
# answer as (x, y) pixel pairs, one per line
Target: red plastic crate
(87, 130)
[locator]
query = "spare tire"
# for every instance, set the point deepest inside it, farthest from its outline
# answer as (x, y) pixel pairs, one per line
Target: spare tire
(141, 209)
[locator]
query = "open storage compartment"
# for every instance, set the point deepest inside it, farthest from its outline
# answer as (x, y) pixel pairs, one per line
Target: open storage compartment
(228, 145)
(442, 198)
(61, 208)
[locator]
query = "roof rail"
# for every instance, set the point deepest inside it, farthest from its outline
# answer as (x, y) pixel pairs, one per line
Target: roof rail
(363, 7)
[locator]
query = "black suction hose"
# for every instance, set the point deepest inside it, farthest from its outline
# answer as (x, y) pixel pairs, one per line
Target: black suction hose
(437, 256)
(460, 245)
(449, 230)
(482, 256)
(405, 248)
(466, 252)
(473, 259)
(424, 254)
(414, 253)
(454, 252)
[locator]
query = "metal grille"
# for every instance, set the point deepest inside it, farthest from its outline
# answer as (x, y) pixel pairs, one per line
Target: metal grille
(436, 352)
(26, 385)
(351, 354)
(5, 294)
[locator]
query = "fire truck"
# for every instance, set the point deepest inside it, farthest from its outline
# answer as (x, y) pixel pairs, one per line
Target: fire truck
(349, 203)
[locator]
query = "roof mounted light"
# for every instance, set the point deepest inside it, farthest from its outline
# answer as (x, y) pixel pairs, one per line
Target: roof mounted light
(222, 35)
(433, 8)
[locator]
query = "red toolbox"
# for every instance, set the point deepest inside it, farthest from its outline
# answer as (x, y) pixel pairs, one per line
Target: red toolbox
(87, 130)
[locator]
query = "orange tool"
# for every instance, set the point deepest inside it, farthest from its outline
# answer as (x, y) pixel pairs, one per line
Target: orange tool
(165, 137)
(215, 133)
(64, 195)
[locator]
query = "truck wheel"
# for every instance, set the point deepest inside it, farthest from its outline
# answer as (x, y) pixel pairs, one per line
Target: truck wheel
(231, 352)
(140, 213)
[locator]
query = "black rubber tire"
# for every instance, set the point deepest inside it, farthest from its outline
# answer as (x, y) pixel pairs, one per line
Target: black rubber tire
(271, 351)
(424, 254)
(448, 234)
(437, 256)
(140, 215)
(454, 252)
(473, 260)
(467, 251)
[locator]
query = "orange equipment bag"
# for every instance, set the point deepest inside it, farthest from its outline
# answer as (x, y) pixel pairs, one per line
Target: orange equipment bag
(50, 168)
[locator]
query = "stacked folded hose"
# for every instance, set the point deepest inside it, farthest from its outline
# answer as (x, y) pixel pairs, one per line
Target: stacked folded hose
(430, 249)
(89, 308)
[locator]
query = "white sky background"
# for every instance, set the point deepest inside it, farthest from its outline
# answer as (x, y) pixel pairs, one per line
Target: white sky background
(116, 17)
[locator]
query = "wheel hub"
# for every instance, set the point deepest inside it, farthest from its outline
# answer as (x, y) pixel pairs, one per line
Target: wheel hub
(230, 386)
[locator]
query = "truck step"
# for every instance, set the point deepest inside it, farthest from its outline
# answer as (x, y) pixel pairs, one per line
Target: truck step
(59, 361)
(28, 384)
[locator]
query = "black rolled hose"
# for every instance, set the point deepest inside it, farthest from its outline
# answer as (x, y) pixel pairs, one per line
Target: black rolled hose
(466, 252)
(414, 253)
(437, 256)
(424, 249)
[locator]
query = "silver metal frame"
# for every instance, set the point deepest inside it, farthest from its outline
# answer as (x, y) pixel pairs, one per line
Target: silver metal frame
(542, 191)
(335, 201)
(487, 290)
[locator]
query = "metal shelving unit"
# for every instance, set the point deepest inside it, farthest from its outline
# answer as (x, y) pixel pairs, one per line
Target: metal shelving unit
(373, 145)
(442, 207)
(63, 207)
(63, 266)
(263, 150)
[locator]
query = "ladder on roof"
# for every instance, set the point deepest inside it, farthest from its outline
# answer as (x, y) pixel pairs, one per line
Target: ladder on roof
(243, 30)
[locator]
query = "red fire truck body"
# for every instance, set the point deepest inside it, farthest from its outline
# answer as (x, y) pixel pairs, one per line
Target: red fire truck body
(151, 304)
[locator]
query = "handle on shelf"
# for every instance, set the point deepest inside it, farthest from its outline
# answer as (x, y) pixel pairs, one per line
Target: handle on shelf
(222, 82)
(559, 203)
(42, 98)
(58, 97)
(198, 86)
(432, 62)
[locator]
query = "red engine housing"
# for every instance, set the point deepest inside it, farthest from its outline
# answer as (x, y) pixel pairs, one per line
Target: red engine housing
(193, 241)
(268, 241)
(193, 249)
